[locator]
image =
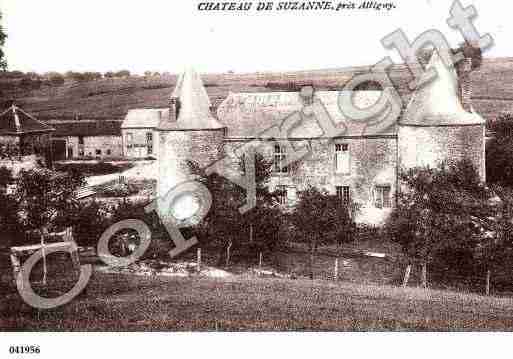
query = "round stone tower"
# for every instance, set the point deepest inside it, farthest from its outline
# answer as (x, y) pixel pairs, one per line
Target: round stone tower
(189, 133)
(439, 123)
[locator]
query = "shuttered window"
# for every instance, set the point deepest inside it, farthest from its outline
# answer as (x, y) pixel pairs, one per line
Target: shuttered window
(280, 158)
(344, 194)
(382, 197)
(342, 158)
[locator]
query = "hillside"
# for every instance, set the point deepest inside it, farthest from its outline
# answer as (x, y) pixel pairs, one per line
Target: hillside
(110, 98)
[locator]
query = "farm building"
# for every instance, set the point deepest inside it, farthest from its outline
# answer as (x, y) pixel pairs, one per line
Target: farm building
(139, 134)
(86, 139)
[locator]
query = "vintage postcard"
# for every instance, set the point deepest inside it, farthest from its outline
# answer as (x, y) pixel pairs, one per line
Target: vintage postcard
(253, 166)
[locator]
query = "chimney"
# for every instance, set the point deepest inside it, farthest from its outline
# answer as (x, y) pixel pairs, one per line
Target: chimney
(463, 69)
(174, 109)
(307, 94)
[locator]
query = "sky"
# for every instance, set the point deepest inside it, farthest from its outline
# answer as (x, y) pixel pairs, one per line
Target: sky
(168, 35)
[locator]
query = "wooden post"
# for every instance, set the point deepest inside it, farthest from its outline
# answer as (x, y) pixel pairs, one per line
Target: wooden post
(260, 260)
(406, 275)
(488, 275)
(16, 267)
(424, 275)
(228, 254)
(335, 275)
(198, 259)
(312, 263)
(45, 269)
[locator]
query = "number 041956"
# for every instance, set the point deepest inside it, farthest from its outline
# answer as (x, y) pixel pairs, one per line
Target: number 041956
(24, 349)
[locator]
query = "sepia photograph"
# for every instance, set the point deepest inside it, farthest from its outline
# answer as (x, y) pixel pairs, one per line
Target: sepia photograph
(253, 167)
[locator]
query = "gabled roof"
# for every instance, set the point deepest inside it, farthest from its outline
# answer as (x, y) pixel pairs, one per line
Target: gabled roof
(145, 117)
(194, 113)
(437, 103)
(15, 121)
(252, 115)
(86, 128)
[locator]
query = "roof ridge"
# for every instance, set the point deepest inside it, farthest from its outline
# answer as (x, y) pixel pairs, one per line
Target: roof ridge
(32, 117)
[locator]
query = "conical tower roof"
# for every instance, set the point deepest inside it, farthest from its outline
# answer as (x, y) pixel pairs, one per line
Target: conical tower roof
(194, 104)
(436, 103)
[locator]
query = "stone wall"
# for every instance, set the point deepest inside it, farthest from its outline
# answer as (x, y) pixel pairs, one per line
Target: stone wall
(373, 162)
(176, 147)
(110, 146)
(428, 146)
(139, 148)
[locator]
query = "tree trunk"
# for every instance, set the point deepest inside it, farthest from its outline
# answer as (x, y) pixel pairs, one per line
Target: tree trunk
(198, 259)
(260, 260)
(45, 269)
(406, 277)
(251, 233)
(312, 257)
(228, 253)
(335, 274)
(488, 277)
(423, 276)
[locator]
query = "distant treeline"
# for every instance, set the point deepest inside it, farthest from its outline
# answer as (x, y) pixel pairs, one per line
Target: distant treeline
(57, 78)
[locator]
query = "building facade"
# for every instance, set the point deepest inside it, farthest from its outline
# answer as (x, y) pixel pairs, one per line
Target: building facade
(313, 141)
(80, 139)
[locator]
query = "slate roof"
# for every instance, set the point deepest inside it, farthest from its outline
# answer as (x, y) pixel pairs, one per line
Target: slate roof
(251, 115)
(145, 117)
(15, 121)
(86, 128)
(195, 105)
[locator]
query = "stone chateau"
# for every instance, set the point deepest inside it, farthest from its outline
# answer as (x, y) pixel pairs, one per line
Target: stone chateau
(358, 160)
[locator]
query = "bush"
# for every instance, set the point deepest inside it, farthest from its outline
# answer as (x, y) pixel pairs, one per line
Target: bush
(93, 169)
(118, 190)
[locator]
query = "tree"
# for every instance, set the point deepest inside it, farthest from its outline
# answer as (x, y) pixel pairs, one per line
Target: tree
(3, 37)
(122, 73)
(9, 221)
(496, 246)
(224, 224)
(45, 197)
(499, 151)
(319, 216)
(446, 208)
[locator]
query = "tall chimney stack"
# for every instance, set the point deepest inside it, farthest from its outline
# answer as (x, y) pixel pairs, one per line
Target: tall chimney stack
(174, 108)
(463, 69)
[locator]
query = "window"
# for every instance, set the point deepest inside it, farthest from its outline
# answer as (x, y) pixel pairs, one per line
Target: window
(109, 152)
(149, 142)
(343, 193)
(98, 152)
(280, 159)
(383, 197)
(80, 140)
(342, 161)
(281, 191)
(243, 163)
(129, 139)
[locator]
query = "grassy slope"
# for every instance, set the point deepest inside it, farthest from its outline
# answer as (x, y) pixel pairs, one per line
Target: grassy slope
(111, 98)
(122, 302)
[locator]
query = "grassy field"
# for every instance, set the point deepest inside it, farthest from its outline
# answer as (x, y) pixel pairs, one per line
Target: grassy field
(112, 98)
(242, 302)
